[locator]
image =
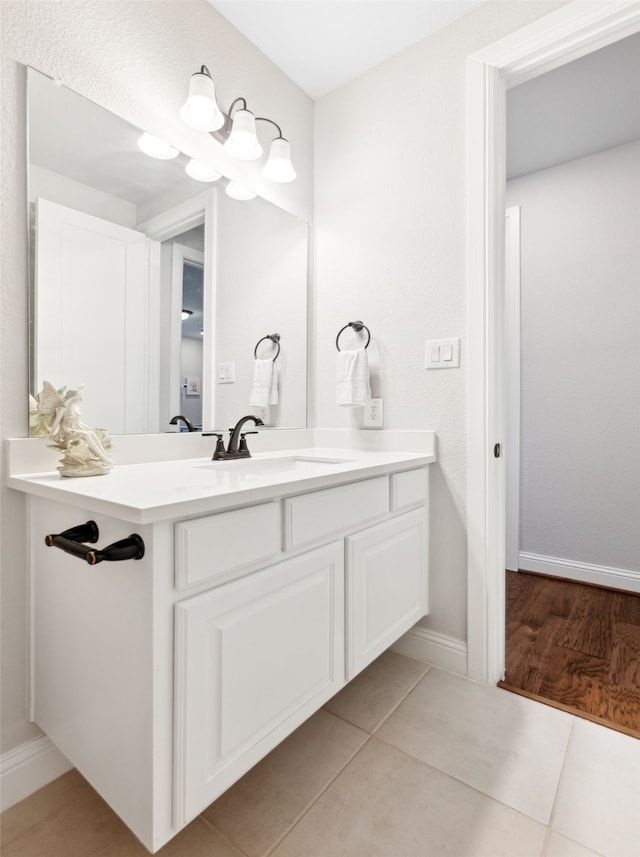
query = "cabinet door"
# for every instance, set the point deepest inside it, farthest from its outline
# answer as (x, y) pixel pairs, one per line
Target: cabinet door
(387, 580)
(254, 659)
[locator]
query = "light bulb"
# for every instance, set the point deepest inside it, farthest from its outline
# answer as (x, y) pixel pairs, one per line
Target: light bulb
(200, 111)
(243, 143)
(156, 148)
(238, 191)
(278, 167)
(201, 172)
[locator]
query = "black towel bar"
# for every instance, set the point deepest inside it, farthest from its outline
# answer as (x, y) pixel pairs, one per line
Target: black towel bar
(357, 326)
(71, 541)
(275, 338)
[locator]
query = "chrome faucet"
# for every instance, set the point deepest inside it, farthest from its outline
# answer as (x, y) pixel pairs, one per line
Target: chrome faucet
(179, 417)
(237, 446)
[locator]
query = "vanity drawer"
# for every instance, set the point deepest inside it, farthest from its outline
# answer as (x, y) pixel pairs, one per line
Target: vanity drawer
(211, 547)
(334, 511)
(409, 488)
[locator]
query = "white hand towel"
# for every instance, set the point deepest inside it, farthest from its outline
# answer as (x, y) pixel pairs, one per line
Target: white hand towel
(275, 376)
(353, 388)
(261, 387)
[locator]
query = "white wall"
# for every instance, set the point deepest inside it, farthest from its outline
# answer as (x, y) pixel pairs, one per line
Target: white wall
(261, 288)
(580, 370)
(134, 58)
(46, 184)
(390, 250)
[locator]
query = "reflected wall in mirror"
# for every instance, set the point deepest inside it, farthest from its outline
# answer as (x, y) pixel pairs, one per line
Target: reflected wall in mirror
(151, 288)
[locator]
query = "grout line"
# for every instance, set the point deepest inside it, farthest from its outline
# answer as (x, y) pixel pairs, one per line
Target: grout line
(458, 780)
(399, 703)
(222, 835)
(312, 802)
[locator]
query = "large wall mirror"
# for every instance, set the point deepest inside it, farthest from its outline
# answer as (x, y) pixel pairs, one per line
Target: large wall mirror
(156, 291)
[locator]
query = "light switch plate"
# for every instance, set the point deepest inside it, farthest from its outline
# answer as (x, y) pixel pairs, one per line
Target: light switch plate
(442, 353)
(226, 373)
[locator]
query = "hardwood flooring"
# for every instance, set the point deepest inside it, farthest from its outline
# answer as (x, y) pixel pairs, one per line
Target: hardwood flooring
(574, 646)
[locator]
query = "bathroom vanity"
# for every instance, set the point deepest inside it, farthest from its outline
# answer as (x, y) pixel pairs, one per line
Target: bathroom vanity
(265, 586)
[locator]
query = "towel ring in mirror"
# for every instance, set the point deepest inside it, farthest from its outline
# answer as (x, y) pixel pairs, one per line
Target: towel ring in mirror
(357, 326)
(275, 338)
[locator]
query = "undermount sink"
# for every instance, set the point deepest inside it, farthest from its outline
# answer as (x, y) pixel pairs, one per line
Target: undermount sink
(291, 464)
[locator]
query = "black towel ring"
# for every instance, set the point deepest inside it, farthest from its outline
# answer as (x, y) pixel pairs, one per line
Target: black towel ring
(275, 338)
(357, 326)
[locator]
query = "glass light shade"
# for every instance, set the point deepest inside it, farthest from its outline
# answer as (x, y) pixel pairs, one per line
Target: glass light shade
(238, 191)
(278, 167)
(200, 111)
(201, 172)
(243, 143)
(186, 313)
(156, 148)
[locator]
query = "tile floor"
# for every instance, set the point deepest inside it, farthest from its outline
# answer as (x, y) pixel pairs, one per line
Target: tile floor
(407, 761)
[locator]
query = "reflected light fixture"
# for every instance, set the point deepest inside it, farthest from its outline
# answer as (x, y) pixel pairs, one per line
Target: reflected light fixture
(238, 191)
(236, 130)
(200, 111)
(201, 172)
(156, 148)
(186, 313)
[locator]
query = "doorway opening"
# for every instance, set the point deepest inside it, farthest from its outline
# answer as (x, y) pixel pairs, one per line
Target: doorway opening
(572, 311)
(567, 34)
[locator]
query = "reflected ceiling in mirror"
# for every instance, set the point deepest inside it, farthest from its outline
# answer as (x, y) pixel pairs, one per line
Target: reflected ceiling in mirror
(108, 242)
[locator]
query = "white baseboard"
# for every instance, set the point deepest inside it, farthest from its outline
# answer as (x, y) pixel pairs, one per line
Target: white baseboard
(27, 768)
(617, 578)
(433, 648)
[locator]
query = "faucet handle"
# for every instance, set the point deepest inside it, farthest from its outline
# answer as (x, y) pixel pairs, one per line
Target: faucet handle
(242, 446)
(219, 451)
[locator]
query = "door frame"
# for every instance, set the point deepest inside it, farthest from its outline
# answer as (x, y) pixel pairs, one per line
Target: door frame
(179, 255)
(512, 386)
(171, 223)
(558, 38)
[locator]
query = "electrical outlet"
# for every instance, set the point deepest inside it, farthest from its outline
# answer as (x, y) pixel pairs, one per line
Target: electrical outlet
(373, 413)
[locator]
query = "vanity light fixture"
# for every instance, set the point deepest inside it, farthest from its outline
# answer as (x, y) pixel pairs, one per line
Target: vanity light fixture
(200, 111)
(201, 172)
(156, 148)
(279, 167)
(186, 313)
(242, 142)
(237, 128)
(238, 191)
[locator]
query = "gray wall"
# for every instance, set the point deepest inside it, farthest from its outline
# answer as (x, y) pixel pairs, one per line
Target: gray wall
(580, 344)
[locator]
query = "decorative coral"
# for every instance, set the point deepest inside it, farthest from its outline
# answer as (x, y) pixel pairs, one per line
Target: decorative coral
(56, 414)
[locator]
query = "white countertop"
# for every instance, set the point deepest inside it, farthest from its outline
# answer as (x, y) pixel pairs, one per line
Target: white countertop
(163, 490)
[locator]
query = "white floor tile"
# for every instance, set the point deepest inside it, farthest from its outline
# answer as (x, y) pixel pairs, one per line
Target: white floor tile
(560, 846)
(504, 745)
(599, 796)
(388, 804)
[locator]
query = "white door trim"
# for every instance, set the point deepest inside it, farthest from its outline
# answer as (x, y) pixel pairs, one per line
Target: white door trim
(567, 34)
(199, 209)
(512, 386)
(180, 254)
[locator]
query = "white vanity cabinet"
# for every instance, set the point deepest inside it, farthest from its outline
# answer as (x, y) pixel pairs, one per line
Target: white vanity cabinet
(165, 679)
(254, 658)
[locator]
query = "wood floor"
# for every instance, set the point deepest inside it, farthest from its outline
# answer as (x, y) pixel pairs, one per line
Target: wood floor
(576, 647)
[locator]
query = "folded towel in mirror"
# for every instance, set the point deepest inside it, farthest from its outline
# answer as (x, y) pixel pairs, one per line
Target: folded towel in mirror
(264, 387)
(353, 388)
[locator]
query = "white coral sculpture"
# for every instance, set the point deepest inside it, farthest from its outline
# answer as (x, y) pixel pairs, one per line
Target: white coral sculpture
(57, 414)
